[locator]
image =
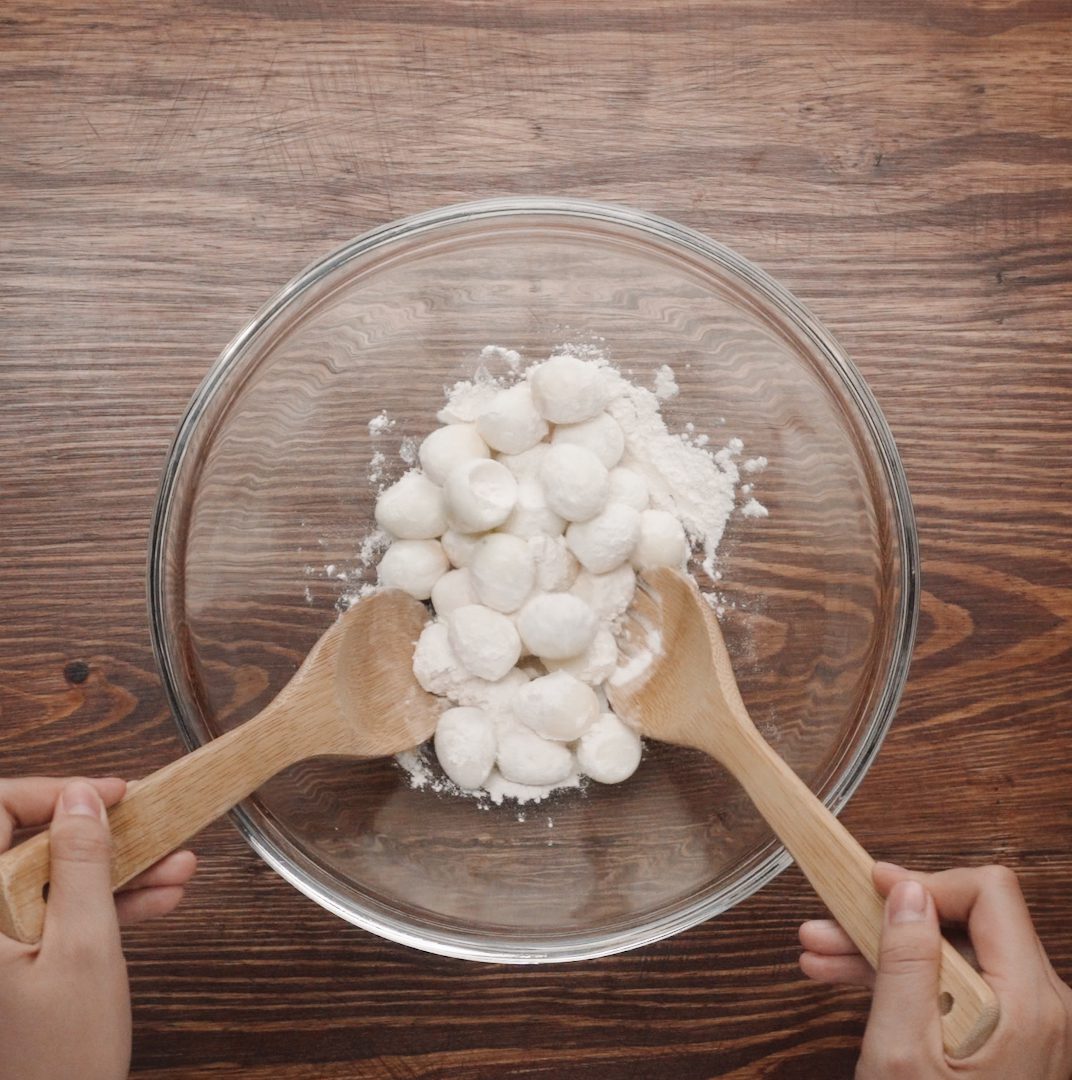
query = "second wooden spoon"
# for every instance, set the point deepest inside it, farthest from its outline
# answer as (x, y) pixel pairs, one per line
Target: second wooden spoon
(677, 685)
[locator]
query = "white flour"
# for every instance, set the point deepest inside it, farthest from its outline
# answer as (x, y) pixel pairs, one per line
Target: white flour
(491, 354)
(377, 469)
(695, 484)
(665, 384)
(424, 775)
(380, 424)
(683, 477)
(408, 450)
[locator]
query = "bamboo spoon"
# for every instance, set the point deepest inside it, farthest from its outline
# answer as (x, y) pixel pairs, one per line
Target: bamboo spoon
(354, 696)
(677, 686)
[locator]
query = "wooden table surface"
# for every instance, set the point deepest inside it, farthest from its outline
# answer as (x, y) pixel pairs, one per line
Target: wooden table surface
(905, 169)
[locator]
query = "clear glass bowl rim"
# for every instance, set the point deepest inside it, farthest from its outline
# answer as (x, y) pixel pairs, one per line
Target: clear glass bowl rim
(443, 941)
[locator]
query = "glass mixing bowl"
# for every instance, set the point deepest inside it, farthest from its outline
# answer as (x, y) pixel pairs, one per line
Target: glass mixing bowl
(266, 497)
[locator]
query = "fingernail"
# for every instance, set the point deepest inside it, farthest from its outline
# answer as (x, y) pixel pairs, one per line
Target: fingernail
(907, 902)
(81, 799)
(819, 924)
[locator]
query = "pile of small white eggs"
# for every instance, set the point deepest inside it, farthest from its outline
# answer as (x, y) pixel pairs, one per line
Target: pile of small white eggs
(525, 528)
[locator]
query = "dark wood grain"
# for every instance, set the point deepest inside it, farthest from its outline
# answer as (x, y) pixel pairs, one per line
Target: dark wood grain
(905, 169)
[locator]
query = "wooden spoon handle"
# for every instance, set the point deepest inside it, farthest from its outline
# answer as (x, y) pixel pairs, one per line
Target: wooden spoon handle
(160, 812)
(840, 872)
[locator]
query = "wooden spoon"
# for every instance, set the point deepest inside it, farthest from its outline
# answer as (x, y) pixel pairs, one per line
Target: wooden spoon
(353, 696)
(676, 684)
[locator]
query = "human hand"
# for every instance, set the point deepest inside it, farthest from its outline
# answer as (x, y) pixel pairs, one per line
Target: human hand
(64, 1003)
(1033, 1039)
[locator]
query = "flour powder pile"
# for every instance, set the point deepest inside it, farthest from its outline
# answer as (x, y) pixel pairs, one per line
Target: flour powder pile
(524, 522)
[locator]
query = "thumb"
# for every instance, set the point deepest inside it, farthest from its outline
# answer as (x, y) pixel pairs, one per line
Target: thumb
(80, 908)
(904, 1010)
